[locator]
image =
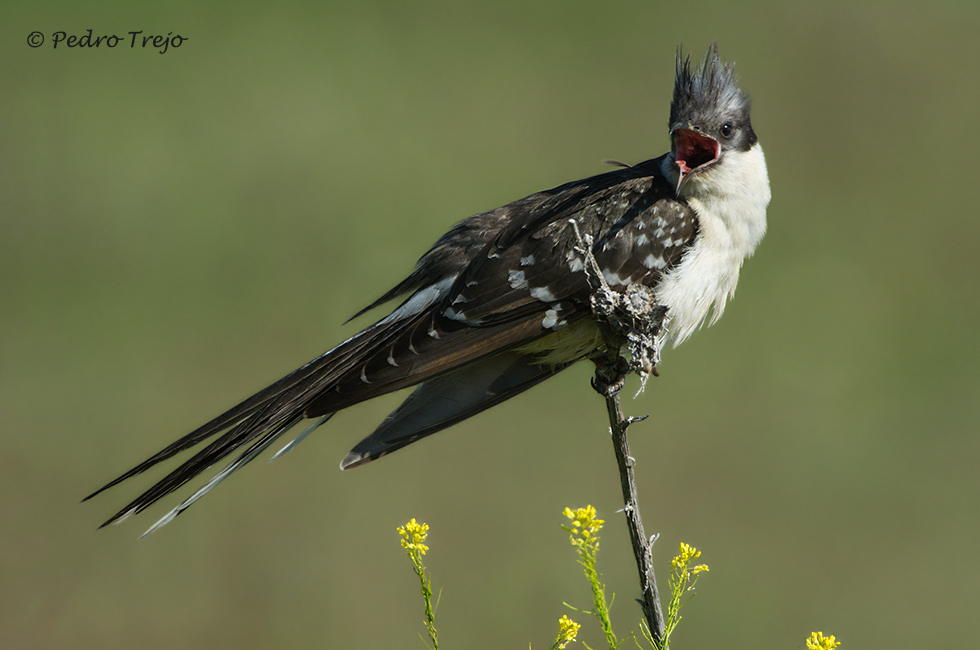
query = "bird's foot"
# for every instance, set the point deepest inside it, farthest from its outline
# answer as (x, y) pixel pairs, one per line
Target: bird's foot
(610, 375)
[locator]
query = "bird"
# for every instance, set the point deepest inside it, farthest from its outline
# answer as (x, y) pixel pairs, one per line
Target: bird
(501, 302)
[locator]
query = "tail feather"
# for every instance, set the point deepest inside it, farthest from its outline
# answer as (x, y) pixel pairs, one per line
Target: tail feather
(246, 457)
(450, 398)
(261, 425)
(243, 417)
(301, 437)
(241, 411)
(265, 416)
(229, 418)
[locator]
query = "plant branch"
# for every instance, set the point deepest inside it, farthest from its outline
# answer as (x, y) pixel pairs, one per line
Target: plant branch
(642, 547)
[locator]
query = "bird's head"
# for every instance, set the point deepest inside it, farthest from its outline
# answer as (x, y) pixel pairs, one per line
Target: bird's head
(709, 118)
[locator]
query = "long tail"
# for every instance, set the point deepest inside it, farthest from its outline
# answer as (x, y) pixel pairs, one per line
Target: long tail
(385, 357)
(248, 456)
(436, 404)
(258, 421)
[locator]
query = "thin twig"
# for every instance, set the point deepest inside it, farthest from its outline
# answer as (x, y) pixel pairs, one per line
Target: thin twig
(642, 547)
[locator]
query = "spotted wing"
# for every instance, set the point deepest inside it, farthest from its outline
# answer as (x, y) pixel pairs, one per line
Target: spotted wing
(535, 268)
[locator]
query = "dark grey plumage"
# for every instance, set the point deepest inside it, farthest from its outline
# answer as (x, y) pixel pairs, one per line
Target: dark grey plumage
(498, 304)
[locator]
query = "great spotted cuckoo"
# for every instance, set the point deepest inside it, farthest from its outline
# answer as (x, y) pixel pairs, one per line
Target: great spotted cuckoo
(502, 301)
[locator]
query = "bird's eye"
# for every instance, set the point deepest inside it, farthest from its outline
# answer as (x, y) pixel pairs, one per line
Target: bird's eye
(727, 130)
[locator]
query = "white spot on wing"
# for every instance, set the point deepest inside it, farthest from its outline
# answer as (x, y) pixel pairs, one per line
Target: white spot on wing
(516, 279)
(652, 261)
(543, 294)
(455, 315)
(391, 358)
(526, 261)
(364, 375)
(550, 319)
(614, 278)
(641, 240)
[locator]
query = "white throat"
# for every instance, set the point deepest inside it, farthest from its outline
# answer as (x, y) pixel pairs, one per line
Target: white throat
(730, 200)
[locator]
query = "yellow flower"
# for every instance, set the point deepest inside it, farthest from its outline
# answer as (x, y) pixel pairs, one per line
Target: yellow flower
(584, 536)
(818, 641)
(682, 581)
(584, 518)
(567, 631)
(687, 554)
(413, 536)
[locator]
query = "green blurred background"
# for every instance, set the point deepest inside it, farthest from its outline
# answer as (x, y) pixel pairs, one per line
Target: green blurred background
(179, 229)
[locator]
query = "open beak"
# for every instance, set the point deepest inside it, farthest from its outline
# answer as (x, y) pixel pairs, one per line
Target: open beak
(693, 150)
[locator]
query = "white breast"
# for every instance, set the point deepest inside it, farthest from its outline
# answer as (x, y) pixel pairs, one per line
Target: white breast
(730, 200)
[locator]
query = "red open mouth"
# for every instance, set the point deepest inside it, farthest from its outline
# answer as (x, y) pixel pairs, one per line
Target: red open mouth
(693, 150)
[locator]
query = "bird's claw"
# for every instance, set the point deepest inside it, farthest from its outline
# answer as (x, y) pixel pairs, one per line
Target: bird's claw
(610, 375)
